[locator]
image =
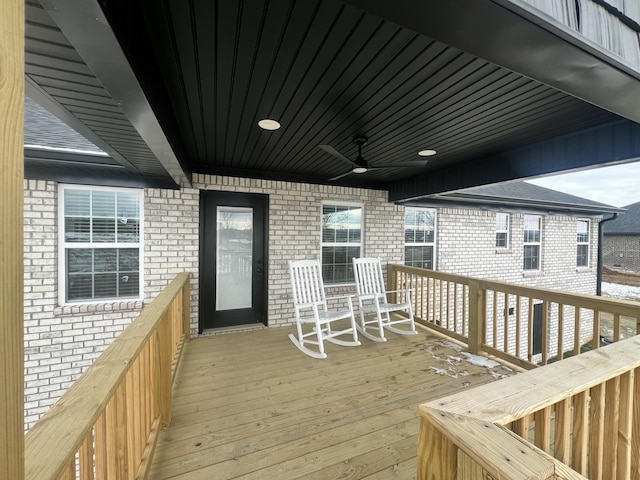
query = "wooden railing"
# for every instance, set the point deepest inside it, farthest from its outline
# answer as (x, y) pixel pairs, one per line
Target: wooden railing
(523, 325)
(575, 419)
(106, 425)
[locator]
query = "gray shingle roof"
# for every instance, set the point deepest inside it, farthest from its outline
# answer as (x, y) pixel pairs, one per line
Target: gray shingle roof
(520, 195)
(627, 223)
(46, 130)
(534, 193)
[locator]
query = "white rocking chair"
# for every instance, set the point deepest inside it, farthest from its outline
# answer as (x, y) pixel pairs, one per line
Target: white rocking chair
(308, 293)
(372, 299)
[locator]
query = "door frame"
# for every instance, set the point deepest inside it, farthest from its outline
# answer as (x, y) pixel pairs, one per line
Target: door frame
(209, 201)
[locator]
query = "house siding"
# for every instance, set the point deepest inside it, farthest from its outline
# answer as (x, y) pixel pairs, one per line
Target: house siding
(62, 341)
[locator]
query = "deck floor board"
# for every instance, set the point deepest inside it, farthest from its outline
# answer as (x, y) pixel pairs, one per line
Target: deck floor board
(250, 405)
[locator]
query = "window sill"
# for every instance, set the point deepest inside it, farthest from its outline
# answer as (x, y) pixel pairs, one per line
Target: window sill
(584, 269)
(92, 308)
(532, 273)
(502, 251)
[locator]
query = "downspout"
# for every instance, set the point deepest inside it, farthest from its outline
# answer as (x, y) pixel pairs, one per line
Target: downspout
(600, 238)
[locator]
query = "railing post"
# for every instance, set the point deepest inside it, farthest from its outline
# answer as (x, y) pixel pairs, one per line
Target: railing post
(186, 309)
(163, 372)
(437, 456)
(11, 243)
(477, 316)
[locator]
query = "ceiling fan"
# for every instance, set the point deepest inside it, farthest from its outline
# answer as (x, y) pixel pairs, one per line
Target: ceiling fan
(360, 165)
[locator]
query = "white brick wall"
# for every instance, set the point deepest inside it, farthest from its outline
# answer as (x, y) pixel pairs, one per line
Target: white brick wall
(61, 341)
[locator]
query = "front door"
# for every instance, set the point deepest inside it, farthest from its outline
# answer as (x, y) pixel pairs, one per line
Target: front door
(233, 259)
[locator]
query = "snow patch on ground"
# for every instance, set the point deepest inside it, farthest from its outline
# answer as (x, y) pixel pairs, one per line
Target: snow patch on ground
(623, 292)
(453, 365)
(480, 361)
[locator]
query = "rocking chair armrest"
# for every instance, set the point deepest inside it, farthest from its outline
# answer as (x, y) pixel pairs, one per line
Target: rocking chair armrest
(337, 297)
(401, 290)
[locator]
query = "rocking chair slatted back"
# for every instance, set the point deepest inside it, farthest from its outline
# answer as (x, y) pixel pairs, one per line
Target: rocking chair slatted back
(306, 281)
(369, 278)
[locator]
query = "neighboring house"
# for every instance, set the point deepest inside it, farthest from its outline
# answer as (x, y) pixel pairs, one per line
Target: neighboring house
(621, 242)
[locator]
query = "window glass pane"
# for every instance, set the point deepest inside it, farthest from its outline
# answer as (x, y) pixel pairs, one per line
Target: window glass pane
(128, 205)
(419, 256)
(531, 257)
(79, 260)
(128, 230)
(502, 222)
(79, 286)
(77, 203)
(103, 204)
(531, 229)
(583, 256)
(501, 239)
(104, 230)
(106, 285)
(128, 260)
(77, 229)
(105, 260)
(583, 231)
(129, 285)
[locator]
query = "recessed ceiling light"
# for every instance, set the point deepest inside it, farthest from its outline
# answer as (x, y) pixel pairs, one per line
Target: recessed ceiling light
(268, 124)
(427, 153)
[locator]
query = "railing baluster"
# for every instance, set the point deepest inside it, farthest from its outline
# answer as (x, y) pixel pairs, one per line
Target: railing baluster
(560, 352)
(596, 431)
(562, 431)
(625, 425)
(545, 332)
(596, 329)
(611, 427)
(580, 444)
(616, 327)
(542, 429)
(518, 322)
(576, 331)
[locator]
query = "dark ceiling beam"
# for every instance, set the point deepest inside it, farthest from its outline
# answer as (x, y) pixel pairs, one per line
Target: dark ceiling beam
(600, 146)
(85, 26)
(509, 33)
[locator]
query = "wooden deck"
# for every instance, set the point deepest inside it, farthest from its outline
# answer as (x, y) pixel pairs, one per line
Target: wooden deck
(250, 405)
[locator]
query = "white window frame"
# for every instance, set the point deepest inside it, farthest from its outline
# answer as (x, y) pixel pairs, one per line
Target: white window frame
(586, 243)
(422, 244)
(324, 244)
(63, 245)
(532, 243)
(500, 230)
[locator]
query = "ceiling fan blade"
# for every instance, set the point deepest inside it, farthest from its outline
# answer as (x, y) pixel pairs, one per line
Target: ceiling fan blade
(332, 151)
(340, 176)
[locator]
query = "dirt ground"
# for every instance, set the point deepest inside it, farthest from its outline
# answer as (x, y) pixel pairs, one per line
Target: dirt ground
(623, 278)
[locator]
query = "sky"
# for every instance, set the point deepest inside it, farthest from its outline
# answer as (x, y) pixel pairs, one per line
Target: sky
(618, 185)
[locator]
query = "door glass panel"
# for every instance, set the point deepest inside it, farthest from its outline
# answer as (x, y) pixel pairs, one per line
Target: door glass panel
(234, 258)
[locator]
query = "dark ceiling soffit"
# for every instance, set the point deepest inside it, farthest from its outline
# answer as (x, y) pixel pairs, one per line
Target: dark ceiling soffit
(286, 177)
(509, 204)
(37, 94)
(84, 25)
(62, 157)
(94, 175)
(512, 36)
(610, 144)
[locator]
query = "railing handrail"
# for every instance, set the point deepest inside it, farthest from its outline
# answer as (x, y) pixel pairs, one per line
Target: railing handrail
(521, 394)
(624, 307)
(71, 419)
